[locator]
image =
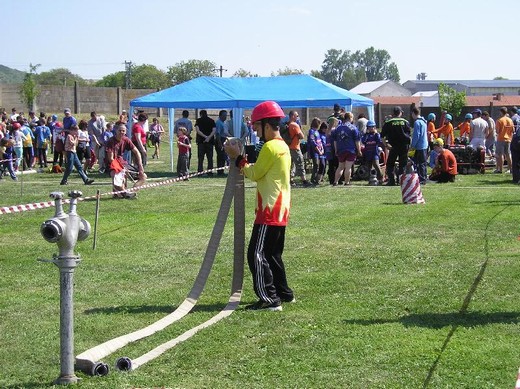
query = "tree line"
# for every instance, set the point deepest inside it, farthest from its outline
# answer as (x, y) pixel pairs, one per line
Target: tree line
(342, 68)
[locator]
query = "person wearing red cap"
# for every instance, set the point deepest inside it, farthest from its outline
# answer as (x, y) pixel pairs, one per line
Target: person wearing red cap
(272, 173)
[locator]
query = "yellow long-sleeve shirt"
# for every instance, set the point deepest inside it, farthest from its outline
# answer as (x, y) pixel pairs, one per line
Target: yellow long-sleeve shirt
(273, 189)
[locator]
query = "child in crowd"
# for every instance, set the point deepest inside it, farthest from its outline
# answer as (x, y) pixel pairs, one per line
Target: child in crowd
(315, 150)
(323, 157)
(372, 142)
(156, 130)
(184, 146)
(7, 155)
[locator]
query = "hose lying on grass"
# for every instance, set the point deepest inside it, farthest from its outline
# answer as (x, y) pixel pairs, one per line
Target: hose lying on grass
(90, 360)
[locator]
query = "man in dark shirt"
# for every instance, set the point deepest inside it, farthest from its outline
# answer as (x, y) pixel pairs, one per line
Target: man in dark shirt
(396, 137)
(205, 127)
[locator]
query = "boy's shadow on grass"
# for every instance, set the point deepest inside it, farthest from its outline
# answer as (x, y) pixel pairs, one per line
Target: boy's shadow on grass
(441, 320)
(151, 309)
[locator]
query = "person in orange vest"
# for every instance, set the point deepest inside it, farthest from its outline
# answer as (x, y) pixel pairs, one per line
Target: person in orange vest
(430, 129)
(465, 126)
(505, 129)
(445, 169)
(446, 130)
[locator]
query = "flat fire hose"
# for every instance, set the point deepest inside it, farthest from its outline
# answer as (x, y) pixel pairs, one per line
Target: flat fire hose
(89, 361)
(125, 363)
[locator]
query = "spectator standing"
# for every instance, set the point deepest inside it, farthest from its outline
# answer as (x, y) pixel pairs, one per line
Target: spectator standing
(184, 146)
(330, 153)
(315, 150)
(95, 129)
(491, 135)
(221, 135)
(297, 162)
(68, 119)
(505, 130)
(347, 143)
(7, 155)
(43, 139)
(372, 141)
(18, 137)
(83, 145)
(396, 137)
(139, 136)
(323, 158)
(156, 131)
(205, 128)
(185, 122)
(361, 124)
(28, 148)
(478, 130)
(419, 143)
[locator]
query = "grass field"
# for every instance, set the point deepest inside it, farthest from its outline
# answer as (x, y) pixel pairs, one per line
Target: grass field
(388, 295)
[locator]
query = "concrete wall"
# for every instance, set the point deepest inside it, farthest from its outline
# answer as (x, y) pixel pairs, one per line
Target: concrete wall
(80, 99)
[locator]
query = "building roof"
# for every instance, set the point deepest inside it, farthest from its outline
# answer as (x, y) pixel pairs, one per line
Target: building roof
(430, 93)
(472, 83)
(486, 101)
(397, 100)
(368, 87)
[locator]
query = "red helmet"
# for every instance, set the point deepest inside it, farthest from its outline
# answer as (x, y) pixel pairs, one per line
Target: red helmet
(16, 125)
(267, 109)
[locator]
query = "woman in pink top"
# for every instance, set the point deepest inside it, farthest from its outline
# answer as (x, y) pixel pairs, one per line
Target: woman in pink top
(139, 136)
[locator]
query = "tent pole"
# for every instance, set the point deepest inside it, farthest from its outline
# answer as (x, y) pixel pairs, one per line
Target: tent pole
(171, 127)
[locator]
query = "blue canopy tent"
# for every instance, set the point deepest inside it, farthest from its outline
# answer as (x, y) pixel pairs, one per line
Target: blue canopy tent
(240, 93)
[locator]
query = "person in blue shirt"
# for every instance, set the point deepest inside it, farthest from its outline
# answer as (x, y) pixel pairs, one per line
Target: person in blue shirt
(419, 143)
(372, 142)
(347, 144)
(315, 150)
(42, 134)
(323, 158)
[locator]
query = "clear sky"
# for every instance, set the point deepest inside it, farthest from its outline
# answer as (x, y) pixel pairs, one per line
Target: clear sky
(447, 39)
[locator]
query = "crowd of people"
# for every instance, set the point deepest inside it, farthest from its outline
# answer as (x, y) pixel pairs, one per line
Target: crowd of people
(26, 142)
(332, 146)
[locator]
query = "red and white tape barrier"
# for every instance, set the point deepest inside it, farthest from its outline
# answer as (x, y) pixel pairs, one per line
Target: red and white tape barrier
(48, 204)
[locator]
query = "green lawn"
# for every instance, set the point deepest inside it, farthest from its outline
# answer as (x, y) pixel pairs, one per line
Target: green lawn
(388, 295)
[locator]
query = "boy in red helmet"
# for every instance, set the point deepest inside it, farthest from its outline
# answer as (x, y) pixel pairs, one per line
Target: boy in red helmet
(271, 172)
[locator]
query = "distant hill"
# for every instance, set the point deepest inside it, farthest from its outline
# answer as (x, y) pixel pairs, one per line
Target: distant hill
(10, 76)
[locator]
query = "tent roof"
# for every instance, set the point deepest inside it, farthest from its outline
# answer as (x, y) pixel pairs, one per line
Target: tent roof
(247, 92)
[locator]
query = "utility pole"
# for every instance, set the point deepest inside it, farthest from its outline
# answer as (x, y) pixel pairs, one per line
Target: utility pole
(221, 69)
(128, 74)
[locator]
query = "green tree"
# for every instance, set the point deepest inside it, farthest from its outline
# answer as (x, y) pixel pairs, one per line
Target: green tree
(59, 76)
(149, 77)
(450, 100)
(286, 72)
(142, 77)
(376, 65)
(346, 69)
(116, 79)
(244, 73)
(187, 70)
(29, 89)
